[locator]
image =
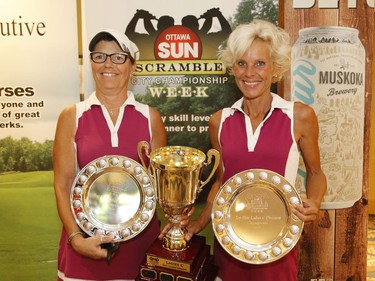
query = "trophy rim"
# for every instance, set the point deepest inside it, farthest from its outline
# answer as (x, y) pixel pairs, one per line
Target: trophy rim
(158, 156)
(135, 173)
(235, 239)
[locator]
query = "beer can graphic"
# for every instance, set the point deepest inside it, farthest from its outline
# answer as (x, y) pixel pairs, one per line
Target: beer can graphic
(328, 73)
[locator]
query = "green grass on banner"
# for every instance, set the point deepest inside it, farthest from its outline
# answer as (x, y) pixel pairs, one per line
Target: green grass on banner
(30, 227)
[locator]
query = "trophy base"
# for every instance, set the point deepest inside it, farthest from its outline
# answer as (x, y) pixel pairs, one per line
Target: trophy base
(193, 264)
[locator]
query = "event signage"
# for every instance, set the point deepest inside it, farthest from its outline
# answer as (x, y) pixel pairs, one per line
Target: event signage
(39, 60)
(178, 71)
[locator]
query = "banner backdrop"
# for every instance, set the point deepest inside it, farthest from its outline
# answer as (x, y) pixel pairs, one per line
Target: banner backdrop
(39, 66)
(39, 77)
(177, 72)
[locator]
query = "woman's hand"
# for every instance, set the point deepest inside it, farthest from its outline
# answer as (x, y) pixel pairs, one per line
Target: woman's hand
(308, 211)
(91, 246)
(192, 228)
(184, 223)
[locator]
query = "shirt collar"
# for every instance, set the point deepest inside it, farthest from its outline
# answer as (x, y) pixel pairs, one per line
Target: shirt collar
(277, 102)
(93, 99)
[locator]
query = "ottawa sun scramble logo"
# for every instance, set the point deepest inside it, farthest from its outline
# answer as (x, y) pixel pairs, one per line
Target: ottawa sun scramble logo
(178, 43)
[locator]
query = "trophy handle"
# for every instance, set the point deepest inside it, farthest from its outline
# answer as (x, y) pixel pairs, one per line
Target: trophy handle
(143, 145)
(210, 153)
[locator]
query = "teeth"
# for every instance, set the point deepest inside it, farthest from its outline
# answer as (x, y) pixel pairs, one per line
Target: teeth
(251, 83)
(108, 74)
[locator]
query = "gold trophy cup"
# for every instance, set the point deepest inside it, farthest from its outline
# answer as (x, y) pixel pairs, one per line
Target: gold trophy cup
(176, 173)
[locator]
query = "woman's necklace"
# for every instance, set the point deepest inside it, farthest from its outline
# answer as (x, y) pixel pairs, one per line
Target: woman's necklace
(111, 111)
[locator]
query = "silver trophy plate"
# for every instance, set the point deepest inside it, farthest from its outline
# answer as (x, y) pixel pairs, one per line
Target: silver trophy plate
(113, 195)
(252, 216)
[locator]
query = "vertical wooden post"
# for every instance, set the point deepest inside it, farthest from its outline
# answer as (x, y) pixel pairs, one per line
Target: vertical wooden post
(371, 194)
(335, 246)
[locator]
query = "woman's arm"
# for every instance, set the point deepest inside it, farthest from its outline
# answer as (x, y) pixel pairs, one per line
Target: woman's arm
(306, 131)
(64, 162)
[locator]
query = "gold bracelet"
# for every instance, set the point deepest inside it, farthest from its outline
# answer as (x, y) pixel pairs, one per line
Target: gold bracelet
(73, 235)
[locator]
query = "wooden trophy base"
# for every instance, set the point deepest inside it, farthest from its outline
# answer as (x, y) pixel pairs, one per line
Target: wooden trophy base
(193, 264)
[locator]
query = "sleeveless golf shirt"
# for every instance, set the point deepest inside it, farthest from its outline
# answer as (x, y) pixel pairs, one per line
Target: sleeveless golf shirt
(97, 136)
(271, 146)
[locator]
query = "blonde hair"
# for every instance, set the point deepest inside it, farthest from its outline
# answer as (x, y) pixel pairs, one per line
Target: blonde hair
(242, 37)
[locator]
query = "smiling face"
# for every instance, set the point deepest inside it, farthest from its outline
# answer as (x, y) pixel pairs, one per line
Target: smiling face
(111, 78)
(254, 70)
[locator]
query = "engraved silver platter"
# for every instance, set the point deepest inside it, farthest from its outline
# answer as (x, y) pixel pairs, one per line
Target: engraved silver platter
(113, 195)
(252, 216)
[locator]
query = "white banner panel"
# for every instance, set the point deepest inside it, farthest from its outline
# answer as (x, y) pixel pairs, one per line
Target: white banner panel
(39, 66)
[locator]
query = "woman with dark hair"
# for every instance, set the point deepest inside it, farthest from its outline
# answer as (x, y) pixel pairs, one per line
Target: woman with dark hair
(109, 122)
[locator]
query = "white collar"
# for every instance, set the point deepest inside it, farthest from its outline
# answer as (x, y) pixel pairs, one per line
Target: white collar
(93, 99)
(277, 102)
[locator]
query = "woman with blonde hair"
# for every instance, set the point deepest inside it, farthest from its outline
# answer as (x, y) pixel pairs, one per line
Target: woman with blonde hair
(262, 131)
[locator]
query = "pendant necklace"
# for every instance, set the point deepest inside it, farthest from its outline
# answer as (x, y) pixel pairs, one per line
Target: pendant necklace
(111, 110)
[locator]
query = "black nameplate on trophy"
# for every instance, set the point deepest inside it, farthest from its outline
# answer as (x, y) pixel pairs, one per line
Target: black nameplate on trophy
(193, 264)
(184, 260)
